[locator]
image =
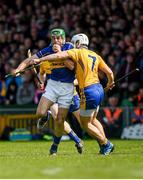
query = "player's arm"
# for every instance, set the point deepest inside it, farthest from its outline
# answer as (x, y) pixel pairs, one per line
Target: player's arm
(68, 63)
(24, 64)
(27, 61)
(105, 68)
(42, 76)
(63, 55)
(58, 56)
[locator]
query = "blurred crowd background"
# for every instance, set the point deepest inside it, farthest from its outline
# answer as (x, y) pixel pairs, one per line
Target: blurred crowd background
(114, 27)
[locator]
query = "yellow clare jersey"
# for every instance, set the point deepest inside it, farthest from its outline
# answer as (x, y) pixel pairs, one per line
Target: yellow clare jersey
(87, 65)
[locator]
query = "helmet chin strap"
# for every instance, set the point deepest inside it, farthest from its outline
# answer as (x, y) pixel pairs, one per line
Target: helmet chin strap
(77, 45)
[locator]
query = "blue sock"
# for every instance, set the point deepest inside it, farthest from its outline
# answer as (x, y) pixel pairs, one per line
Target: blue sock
(54, 148)
(107, 144)
(56, 140)
(74, 137)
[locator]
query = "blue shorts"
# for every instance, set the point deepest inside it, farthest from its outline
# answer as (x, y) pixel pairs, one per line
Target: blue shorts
(92, 96)
(75, 103)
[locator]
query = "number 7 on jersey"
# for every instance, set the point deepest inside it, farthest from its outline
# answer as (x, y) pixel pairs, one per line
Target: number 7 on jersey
(93, 58)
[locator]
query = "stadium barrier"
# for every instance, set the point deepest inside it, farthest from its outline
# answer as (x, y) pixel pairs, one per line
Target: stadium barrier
(20, 118)
(26, 118)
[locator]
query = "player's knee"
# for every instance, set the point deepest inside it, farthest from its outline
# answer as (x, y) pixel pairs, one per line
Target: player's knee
(54, 115)
(41, 112)
(89, 125)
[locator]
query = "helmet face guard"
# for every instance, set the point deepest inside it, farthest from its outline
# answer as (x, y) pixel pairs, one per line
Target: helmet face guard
(80, 39)
(58, 32)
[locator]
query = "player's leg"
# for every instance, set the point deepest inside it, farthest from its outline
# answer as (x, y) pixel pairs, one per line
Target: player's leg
(75, 106)
(60, 126)
(74, 137)
(54, 110)
(76, 112)
(43, 106)
(74, 109)
(97, 123)
(99, 126)
(67, 128)
(88, 113)
(71, 133)
(65, 94)
(59, 129)
(90, 128)
(77, 115)
(106, 147)
(47, 100)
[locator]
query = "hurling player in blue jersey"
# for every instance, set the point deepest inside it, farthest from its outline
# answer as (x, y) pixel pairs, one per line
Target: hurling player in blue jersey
(59, 88)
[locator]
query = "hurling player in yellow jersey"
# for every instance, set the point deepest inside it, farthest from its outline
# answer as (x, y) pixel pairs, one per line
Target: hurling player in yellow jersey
(87, 64)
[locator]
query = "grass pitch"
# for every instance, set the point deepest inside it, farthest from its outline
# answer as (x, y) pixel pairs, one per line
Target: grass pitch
(31, 160)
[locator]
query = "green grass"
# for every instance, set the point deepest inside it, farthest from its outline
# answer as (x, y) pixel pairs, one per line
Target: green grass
(31, 160)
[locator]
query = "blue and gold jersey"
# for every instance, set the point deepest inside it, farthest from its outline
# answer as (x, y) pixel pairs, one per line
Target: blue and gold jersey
(45, 68)
(58, 70)
(87, 65)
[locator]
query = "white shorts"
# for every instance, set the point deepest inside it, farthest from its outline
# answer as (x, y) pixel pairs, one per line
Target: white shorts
(59, 92)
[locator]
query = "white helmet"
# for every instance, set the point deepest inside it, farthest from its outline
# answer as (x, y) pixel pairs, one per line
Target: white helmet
(82, 39)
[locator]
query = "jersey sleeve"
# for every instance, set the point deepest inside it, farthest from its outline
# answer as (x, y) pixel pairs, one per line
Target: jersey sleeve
(44, 52)
(73, 54)
(67, 46)
(102, 63)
